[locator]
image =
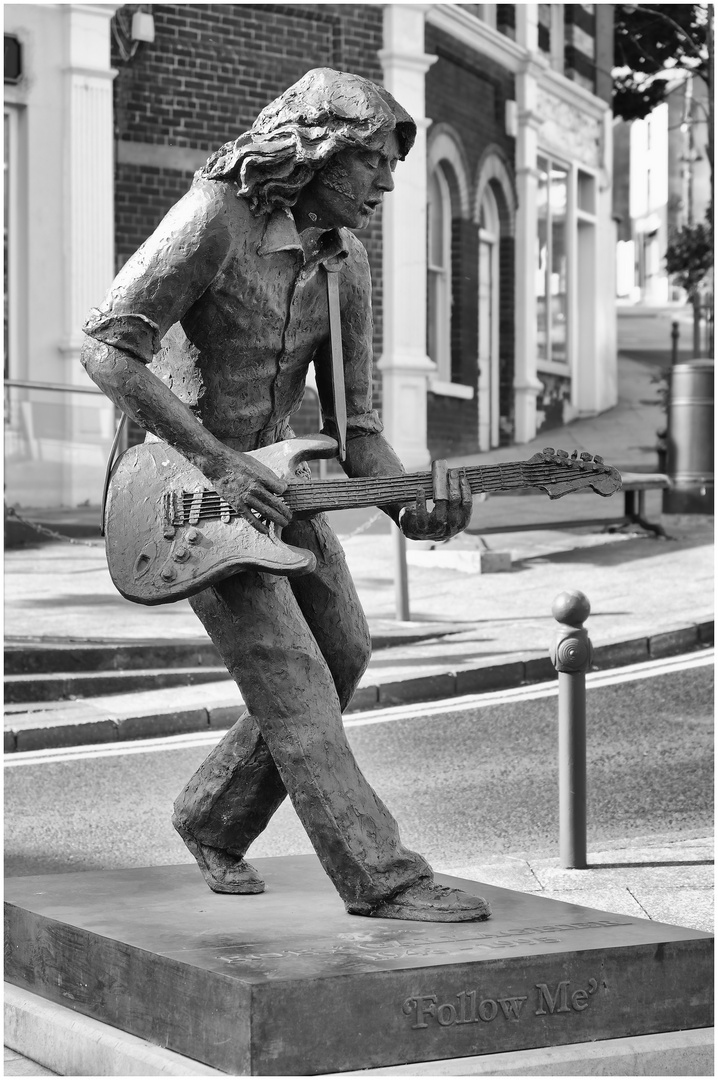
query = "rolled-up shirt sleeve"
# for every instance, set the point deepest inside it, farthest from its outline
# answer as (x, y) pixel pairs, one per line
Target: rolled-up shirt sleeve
(357, 348)
(166, 275)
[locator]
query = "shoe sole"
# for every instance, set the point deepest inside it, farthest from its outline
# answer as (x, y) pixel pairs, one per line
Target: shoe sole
(392, 911)
(195, 848)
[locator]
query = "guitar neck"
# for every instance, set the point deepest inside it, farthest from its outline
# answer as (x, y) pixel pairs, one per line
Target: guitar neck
(317, 495)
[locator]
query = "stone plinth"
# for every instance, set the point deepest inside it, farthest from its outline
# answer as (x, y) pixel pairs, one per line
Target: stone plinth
(286, 983)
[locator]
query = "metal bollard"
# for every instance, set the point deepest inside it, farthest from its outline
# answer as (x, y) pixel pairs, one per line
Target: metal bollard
(401, 577)
(571, 656)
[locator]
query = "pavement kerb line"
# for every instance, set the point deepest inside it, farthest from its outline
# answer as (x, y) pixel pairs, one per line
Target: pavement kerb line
(508, 672)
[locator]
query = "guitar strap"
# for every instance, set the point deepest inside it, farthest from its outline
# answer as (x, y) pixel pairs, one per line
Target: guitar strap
(121, 425)
(335, 334)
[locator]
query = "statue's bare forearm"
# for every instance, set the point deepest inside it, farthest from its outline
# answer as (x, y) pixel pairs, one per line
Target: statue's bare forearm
(372, 455)
(152, 405)
(246, 484)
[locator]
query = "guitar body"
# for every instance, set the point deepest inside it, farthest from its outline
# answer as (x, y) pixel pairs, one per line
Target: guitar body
(168, 536)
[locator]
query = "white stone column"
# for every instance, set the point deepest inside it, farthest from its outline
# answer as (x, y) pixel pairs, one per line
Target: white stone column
(404, 365)
(88, 231)
(88, 173)
(526, 382)
(606, 372)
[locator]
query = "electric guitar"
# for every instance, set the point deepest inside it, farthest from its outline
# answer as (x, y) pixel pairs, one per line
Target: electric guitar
(168, 535)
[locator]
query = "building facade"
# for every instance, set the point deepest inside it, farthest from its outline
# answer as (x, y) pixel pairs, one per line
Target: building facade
(662, 181)
(492, 262)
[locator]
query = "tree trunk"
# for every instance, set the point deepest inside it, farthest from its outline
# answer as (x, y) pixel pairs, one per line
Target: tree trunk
(696, 302)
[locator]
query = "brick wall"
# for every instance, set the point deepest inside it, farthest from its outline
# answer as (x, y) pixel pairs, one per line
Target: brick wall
(469, 92)
(209, 71)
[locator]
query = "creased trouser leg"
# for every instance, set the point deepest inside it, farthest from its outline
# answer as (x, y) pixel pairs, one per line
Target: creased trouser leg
(230, 799)
(258, 625)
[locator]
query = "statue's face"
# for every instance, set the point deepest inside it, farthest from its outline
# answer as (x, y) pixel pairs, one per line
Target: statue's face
(348, 190)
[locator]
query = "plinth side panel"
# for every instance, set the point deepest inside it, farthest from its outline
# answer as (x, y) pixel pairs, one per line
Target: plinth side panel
(490, 1007)
(177, 1006)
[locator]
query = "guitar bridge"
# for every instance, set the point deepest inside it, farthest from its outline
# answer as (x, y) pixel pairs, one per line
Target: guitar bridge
(170, 512)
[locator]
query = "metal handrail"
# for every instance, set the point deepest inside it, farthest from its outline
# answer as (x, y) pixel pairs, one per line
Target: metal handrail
(27, 385)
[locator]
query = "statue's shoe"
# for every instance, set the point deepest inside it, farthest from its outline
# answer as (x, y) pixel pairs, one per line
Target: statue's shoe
(424, 901)
(223, 872)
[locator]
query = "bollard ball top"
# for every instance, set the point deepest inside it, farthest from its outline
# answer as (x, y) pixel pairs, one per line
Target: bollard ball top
(571, 607)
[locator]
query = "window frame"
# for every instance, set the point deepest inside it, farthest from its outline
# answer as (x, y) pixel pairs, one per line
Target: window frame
(439, 284)
(547, 363)
(11, 228)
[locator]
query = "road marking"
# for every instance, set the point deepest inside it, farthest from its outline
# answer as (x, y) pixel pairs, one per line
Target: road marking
(648, 669)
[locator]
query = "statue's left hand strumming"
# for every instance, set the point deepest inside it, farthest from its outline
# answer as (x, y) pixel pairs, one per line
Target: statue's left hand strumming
(451, 511)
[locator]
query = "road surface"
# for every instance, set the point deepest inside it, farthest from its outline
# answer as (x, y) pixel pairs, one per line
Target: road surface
(468, 779)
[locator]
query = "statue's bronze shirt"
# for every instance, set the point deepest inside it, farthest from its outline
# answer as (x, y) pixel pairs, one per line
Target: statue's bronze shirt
(228, 310)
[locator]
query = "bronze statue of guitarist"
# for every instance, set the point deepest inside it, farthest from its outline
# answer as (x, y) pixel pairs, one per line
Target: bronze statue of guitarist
(204, 339)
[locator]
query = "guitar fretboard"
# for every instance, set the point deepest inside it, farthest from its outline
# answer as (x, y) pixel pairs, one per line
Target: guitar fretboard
(313, 496)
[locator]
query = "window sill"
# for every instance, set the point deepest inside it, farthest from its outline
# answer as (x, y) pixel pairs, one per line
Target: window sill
(451, 389)
(554, 367)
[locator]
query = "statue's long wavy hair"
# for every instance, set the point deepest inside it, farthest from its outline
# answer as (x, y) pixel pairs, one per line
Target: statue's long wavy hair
(298, 133)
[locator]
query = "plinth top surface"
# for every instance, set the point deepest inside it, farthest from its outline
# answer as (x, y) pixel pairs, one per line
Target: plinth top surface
(298, 928)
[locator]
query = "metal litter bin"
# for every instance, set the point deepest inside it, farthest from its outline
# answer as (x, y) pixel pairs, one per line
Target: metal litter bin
(689, 454)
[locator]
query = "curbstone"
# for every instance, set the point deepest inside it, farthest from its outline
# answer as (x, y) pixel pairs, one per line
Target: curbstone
(493, 677)
(82, 657)
(540, 670)
(10, 741)
(426, 688)
(365, 697)
(706, 632)
(224, 716)
(35, 687)
(673, 642)
(620, 653)
(55, 736)
(156, 724)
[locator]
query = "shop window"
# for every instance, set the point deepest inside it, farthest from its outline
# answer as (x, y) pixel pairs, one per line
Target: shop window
(544, 27)
(485, 12)
(551, 33)
(586, 192)
(551, 269)
(439, 275)
(506, 20)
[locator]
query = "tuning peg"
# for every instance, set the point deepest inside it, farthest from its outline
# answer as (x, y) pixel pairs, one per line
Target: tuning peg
(597, 459)
(562, 454)
(586, 457)
(574, 455)
(549, 450)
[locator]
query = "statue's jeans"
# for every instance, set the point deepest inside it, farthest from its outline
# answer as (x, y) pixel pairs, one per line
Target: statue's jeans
(297, 650)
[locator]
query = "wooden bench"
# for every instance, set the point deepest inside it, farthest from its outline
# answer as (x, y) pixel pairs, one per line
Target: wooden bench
(634, 488)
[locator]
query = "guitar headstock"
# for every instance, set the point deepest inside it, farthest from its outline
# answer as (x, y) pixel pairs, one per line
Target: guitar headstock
(575, 471)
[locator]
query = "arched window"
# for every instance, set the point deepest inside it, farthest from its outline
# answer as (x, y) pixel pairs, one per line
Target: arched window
(439, 275)
(489, 237)
(494, 214)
